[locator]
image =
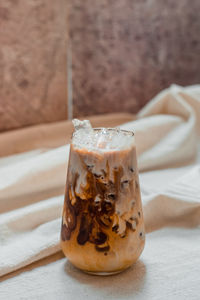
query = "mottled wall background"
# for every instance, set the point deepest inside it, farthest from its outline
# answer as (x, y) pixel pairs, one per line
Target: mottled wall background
(125, 51)
(33, 50)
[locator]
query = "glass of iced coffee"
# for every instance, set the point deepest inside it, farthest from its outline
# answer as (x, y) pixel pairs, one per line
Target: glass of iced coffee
(102, 229)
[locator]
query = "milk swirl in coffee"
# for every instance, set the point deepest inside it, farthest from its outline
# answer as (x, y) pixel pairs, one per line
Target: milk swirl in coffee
(102, 225)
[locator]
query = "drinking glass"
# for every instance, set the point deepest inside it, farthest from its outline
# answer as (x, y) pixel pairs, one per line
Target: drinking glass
(102, 228)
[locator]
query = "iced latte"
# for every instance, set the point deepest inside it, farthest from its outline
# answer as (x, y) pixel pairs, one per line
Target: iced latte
(102, 225)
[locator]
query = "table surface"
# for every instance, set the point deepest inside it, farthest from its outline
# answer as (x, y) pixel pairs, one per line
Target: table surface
(159, 274)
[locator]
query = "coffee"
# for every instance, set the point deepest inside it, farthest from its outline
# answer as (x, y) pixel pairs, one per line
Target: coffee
(102, 225)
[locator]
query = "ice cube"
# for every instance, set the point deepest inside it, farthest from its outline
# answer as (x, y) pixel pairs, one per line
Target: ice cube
(84, 125)
(84, 133)
(99, 140)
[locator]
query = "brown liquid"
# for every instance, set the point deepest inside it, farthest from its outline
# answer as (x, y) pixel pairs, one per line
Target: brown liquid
(102, 225)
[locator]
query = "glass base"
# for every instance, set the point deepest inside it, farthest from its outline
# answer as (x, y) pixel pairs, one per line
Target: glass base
(103, 273)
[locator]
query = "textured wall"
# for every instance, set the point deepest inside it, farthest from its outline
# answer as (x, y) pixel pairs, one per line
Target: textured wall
(33, 42)
(125, 51)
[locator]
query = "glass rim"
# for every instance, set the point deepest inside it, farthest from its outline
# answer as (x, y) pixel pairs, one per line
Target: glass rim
(127, 133)
(113, 129)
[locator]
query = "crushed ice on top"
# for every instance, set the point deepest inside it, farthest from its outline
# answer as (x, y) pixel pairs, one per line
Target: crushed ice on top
(104, 139)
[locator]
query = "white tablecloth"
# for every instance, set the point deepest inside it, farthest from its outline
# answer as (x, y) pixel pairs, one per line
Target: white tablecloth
(169, 267)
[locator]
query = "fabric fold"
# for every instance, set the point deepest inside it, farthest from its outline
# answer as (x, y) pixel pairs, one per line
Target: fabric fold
(166, 129)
